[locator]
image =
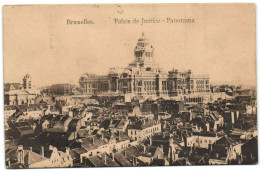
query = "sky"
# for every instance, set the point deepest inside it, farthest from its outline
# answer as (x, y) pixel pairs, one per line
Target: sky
(38, 40)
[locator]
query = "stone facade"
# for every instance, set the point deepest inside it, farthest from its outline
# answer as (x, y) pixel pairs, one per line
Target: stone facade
(144, 78)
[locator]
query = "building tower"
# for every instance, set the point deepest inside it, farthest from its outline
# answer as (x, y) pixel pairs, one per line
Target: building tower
(143, 48)
(144, 54)
(27, 82)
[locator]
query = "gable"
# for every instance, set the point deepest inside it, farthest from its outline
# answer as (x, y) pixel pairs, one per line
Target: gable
(158, 153)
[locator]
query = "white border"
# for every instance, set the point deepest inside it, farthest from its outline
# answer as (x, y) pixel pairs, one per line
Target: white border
(183, 168)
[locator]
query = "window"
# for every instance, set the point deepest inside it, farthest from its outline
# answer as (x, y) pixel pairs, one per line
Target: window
(148, 54)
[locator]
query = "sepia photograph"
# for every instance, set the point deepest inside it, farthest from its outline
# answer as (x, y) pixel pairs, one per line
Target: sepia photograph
(128, 85)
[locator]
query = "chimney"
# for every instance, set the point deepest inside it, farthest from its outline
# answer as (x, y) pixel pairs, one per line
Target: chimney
(144, 148)
(113, 156)
(30, 148)
(105, 158)
(163, 136)
(55, 149)
(175, 157)
(20, 154)
(67, 150)
(133, 161)
(237, 115)
(42, 150)
(232, 117)
(166, 162)
(50, 147)
(161, 147)
(208, 128)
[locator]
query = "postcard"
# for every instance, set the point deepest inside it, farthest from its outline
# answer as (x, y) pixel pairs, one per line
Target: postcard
(126, 85)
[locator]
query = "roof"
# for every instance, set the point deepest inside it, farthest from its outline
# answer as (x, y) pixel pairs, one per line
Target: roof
(158, 162)
(82, 133)
(47, 117)
(250, 143)
(57, 118)
(105, 124)
(22, 124)
(32, 157)
(51, 138)
(205, 134)
(142, 125)
(31, 107)
(96, 161)
(10, 154)
(131, 152)
(181, 162)
(12, 86)
(11, 107)
(73, 125)
(91, 143)
(226, 141)
(122, 136)
(98, 141)
(122, 160)
(79, 150)
(219, 148)
(65, 118)
(159, 141)
(17, 166)
(27, 128)
(109, 161)
(47, 152)
(151, 150)
(197, 155)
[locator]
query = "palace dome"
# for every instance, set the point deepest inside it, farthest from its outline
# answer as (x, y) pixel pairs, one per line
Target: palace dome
(143, 38)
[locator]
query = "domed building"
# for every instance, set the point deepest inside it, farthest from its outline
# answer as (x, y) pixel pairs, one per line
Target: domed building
(143, 78)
